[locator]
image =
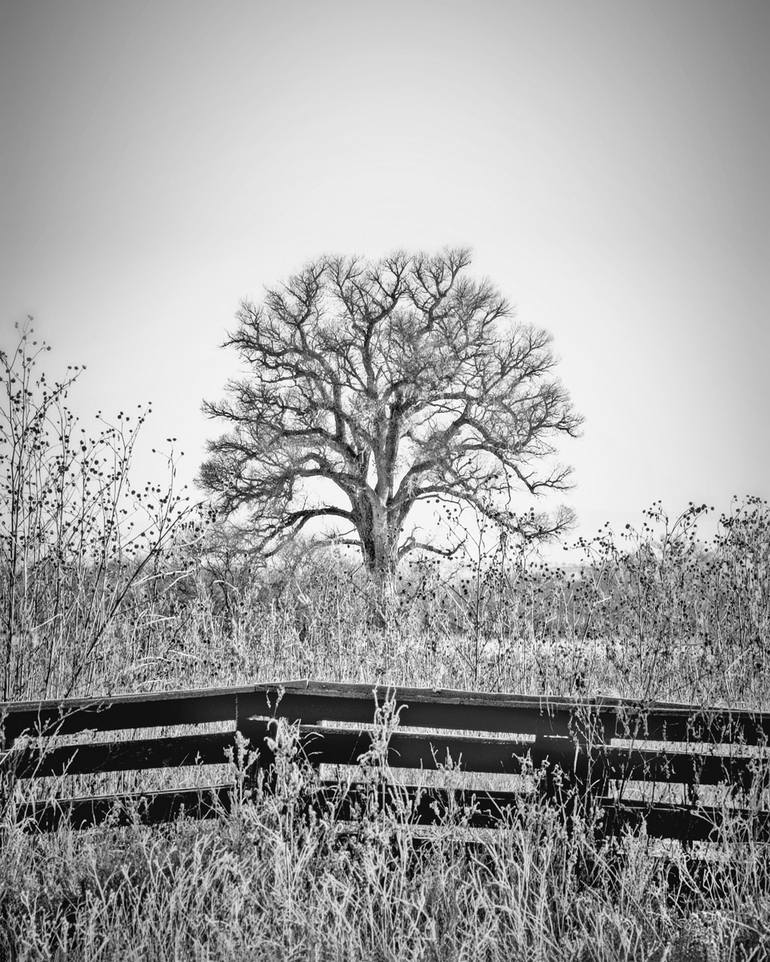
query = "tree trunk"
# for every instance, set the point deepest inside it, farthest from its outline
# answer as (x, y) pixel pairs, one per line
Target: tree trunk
(380, 551)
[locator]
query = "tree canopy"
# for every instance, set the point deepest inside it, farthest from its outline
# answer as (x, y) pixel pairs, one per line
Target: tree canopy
(388, 383)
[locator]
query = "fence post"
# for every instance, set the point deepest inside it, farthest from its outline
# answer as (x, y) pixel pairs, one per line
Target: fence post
(573, 786)
(255, 732)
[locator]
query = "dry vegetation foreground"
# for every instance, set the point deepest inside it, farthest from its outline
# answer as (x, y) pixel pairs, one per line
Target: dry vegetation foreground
(260, 884)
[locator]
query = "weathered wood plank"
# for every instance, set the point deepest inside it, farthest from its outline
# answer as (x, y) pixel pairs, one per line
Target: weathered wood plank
(144, 754)
(126, 712)
(324, 745)
(600, 719)
(148, 808)
(667, 820)
(409, 805)
(440, 708)
(494, 755)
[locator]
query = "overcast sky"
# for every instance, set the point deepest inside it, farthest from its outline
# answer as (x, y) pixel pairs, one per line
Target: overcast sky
(607, 161)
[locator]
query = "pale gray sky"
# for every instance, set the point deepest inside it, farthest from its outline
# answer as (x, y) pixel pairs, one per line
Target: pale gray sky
(607, 161)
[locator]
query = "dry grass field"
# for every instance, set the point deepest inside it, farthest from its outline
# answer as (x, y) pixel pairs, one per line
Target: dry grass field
(674, 619)
(107, 588)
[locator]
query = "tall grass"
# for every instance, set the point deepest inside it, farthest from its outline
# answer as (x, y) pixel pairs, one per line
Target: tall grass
(678, 619)
(78, 537)
(268, 881)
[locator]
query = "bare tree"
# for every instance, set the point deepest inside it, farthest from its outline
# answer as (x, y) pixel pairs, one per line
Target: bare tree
(390, 383)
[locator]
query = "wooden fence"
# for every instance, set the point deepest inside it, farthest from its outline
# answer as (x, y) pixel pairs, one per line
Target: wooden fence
(626, 757)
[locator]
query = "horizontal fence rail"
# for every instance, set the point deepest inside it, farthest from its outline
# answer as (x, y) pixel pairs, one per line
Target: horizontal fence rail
(589, 747)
